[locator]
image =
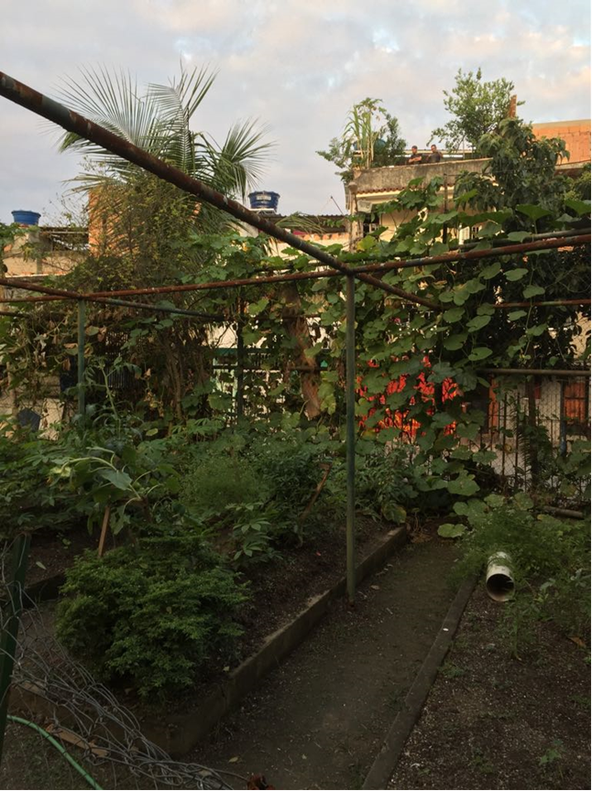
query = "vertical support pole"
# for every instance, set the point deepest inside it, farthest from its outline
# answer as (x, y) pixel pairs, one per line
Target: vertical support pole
(350, 364)
(81, 339)
(14, 606)
(532, 449)
(240, 362)
(503, 436)
(562, 419)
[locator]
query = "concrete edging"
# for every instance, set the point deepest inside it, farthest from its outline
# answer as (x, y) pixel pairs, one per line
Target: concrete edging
(181, 732)
(392, 747)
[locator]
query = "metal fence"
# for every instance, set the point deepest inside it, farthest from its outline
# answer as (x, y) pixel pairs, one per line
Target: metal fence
(532, 425)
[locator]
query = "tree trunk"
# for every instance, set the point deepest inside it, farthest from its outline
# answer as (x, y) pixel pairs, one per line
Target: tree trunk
(296, 326)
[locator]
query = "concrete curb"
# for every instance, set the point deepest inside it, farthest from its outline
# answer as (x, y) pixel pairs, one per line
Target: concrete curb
(178, 734)
(392, 747)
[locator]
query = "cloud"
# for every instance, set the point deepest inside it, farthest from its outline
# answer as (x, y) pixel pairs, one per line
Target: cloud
(298, 65)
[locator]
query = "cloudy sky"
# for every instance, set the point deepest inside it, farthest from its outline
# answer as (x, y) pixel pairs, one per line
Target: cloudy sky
(296, 65)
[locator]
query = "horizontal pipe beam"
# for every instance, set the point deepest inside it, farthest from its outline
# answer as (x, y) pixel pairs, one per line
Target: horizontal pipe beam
(535, 371)
(54, 294)
(547, 304)
(471, 255)
(32, 100)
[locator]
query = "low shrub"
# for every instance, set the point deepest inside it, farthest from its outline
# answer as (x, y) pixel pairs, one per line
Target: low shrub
(386, 483)
(211, 482)
(152, 616)
(290, 467)
(27, 501)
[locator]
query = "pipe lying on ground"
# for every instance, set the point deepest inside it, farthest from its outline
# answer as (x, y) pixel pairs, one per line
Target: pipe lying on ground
(499, 578)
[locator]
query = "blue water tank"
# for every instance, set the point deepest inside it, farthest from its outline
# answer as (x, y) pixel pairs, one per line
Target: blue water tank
(26, 217)
(264, 201)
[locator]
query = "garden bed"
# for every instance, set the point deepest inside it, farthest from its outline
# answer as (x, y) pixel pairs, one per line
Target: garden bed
(288, 599)
(494, 721)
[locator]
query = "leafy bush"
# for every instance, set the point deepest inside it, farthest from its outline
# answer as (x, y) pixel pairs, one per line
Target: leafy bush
(27, 500)
(211, 482)
(152, 616)
(386, 483)
(290, 466)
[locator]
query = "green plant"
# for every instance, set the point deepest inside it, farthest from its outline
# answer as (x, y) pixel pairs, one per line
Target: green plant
(450, 670)
(386, 483)
(213, 482)
(481, 762)
(252, 533)
(550, 558)
(371, 138)
(153, 616)
(550, 760)
(476, 107)
(289, 463)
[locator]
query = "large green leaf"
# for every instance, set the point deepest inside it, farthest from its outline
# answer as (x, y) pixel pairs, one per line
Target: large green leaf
(533, 291)
(490, 271)
(516, 274)
(463, 485)
(454, 314)
(533, 211)
(581, 207)
(478, 322)
(455, 342)
(118, 478)
(255, 308)
(448, 530)
(480, 353)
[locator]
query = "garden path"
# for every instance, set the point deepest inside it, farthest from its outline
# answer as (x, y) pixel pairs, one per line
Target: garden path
(319, 719)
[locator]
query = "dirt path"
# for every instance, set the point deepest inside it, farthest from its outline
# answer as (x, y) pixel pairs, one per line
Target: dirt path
(318, 721)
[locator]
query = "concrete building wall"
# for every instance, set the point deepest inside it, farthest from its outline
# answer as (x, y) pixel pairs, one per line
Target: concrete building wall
(575, 133)
(33, 254)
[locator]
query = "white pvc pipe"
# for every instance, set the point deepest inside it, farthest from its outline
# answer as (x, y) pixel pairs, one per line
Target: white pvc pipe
(499, 578)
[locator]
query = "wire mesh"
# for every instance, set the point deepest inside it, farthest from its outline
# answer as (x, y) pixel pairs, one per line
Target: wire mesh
(53, 692)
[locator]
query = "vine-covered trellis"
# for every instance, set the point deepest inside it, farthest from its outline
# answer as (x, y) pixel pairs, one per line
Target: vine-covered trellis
(417, 311)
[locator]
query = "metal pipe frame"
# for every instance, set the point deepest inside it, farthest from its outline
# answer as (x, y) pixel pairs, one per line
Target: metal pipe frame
(26, 97)
(535, 371)
(386, 266)
(350, 437)
(70, 295)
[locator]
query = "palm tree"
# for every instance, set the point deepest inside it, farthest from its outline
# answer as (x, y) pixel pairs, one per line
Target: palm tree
(158, 120)
(141, 228)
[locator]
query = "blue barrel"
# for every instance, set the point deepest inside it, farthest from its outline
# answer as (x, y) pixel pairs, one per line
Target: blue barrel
(264, 200)
(26, 217)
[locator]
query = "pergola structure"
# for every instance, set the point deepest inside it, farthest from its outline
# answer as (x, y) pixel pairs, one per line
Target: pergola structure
(370, 273)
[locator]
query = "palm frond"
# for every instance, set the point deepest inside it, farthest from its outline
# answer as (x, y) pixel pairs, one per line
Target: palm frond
(240, 162)
(176, 105)
(112, 100)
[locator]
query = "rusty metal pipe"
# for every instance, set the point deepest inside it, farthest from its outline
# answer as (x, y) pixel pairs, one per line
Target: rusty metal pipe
(548, 304)
(32, 100)
(54, 294)
(445, 258)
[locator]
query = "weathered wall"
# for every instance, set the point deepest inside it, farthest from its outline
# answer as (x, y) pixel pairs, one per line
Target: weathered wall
(575, 133)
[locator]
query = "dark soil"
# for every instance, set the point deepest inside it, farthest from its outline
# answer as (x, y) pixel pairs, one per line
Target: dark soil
(492, 721)
(281, 589)
(52, 553)
(318, 721)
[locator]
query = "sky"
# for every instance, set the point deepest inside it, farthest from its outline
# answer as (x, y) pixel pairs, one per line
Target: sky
(297, 66)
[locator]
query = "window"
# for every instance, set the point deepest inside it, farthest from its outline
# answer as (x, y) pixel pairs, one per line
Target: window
(576, 405)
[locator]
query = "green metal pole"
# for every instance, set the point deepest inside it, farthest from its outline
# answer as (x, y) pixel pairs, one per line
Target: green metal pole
(81, 339)
(14, 606)
(350, 365)
(240, 362)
